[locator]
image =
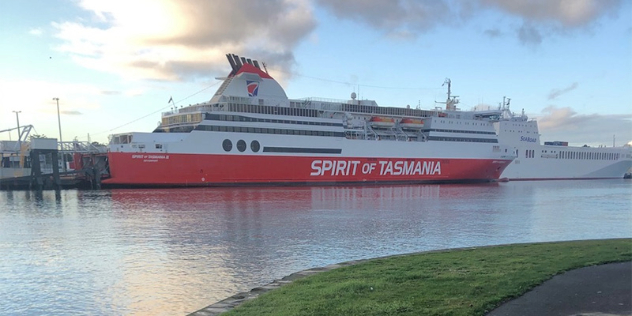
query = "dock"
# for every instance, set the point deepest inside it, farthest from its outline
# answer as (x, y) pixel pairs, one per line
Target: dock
(40, 163)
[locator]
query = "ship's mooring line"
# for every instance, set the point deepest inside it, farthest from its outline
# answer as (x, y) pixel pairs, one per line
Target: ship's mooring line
(159, 110)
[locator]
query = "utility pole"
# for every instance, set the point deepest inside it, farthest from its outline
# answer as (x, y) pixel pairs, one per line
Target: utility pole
(17, 118)
(61, 142)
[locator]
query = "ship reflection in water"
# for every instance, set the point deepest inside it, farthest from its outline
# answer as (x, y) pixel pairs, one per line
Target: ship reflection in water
(174, 251)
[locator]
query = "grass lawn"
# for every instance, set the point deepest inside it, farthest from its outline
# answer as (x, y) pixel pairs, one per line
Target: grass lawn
(459, 282)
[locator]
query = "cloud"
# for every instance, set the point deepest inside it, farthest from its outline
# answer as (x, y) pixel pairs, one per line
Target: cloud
(557, 92)
(567, 13)
(529, 35)
(414, 17)
(552, 17)
(564, 124)
(183, 39)
(178, 40)
(106, 92)
(73, 98)
(493, 33)
(71, 112)
(36, 32)
(395, 18)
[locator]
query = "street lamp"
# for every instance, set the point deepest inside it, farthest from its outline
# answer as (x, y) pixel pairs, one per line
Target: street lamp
(63, 159)
(17, 118)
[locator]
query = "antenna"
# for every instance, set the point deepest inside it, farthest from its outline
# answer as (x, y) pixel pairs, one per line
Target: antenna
(449, 82)
(451, 101)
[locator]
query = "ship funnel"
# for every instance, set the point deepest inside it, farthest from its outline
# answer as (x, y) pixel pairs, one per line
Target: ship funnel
(237, 61)
(232, 62)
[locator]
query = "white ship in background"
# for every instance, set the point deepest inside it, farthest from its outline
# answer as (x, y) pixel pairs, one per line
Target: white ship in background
(553, 160)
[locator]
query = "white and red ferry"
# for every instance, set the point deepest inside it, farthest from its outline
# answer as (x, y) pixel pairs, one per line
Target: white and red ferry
(251, 133)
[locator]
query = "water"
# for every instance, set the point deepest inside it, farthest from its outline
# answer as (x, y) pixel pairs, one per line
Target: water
(174, 251)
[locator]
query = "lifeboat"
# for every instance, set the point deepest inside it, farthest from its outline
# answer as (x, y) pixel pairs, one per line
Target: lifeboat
(380, 121)
(410, 123)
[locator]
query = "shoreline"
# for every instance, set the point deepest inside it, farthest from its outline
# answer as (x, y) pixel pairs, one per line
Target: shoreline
(233, 301)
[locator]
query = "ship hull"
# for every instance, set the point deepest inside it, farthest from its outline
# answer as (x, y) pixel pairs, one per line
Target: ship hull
(584, 163)
(129, 169)
(186, 163)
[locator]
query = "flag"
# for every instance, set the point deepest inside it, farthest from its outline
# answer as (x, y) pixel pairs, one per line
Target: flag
(170, 99)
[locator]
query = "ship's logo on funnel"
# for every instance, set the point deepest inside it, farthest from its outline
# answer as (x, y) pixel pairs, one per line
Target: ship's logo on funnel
(253, 88)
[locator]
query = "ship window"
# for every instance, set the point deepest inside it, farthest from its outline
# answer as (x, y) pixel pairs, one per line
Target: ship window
(254, 146)
(227, 145)
(241, 145)
(158, 146)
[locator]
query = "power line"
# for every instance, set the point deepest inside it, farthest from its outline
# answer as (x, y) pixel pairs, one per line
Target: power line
(356, 84)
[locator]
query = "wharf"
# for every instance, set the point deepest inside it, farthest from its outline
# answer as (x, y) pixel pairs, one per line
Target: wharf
(44, 163)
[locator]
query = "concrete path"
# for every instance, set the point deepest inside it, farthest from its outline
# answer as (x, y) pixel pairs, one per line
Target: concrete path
(597, 290)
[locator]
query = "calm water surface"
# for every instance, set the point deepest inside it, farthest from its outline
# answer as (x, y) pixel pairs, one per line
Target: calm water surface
(174, 251)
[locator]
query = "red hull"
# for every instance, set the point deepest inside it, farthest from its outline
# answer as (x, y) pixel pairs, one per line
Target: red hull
(142, 169)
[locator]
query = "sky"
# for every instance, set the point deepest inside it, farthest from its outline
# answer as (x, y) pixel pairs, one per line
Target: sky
(115, 64)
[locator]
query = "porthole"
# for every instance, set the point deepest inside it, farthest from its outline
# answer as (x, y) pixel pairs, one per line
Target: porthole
(241, 145)
(255, 146)
(227, 145)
